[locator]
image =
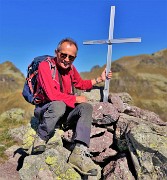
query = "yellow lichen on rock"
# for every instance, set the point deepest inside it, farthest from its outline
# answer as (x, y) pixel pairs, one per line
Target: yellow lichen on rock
(28, 138)
(56, 139)
(50, 160)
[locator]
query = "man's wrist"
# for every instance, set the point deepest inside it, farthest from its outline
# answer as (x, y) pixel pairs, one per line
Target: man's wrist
(98, 80)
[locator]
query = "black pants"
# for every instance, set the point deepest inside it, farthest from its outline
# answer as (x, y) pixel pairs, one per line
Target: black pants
(56, 112)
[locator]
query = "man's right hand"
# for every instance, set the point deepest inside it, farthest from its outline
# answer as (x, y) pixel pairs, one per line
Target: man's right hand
(81, 99)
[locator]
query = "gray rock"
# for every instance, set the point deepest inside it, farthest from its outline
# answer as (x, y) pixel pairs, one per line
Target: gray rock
(106, 140)
(105, 155)
(32, 166)
(145, 115)
(117, 102)
(148, 147)
(94, 95)
(18, 133)
(104, 113)
(97, 131)
(118, 170)
(125, 97)
(52, 164)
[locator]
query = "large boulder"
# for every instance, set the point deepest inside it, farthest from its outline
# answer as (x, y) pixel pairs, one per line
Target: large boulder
(52, 164)
(147, 144)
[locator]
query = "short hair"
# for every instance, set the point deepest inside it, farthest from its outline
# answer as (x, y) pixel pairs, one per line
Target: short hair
(69, 40)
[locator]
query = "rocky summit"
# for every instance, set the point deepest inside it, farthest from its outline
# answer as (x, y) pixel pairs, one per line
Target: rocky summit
(127, 142)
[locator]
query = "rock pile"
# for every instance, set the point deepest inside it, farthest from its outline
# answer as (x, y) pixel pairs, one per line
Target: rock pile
(126, 143)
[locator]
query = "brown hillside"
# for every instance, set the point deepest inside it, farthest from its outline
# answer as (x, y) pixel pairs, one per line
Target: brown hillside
(11, 83)
(144, 77)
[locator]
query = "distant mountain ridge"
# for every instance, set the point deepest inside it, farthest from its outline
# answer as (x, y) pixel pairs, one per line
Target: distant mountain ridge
(144, 77)
(10, 77)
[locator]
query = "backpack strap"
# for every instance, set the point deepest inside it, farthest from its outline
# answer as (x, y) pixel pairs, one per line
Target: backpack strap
(52, 66)
(54, 72)
(28, 79)
(53, 69)
(60, 81)
(71, 77)
(72, 85)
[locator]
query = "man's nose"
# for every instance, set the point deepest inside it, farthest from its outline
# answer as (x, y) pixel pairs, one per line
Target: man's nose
(67, 58)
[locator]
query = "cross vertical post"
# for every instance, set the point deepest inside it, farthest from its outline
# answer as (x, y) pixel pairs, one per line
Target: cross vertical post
(109, 42)
(109, 54)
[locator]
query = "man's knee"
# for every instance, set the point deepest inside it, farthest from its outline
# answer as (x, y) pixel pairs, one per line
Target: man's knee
(57, 107)
(86, 107)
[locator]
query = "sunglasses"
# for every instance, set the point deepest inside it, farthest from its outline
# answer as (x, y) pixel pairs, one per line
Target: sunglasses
(64, 55)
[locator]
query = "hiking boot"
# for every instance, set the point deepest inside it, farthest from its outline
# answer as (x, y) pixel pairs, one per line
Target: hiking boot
(81, 161)
(39, 145)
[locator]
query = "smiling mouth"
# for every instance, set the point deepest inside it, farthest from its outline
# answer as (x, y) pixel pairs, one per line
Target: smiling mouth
(66, 63)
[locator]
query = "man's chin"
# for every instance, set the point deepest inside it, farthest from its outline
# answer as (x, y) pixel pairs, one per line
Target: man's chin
(63, 66)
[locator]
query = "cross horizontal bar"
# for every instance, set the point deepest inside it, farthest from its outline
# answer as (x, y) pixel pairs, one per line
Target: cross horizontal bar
(124, 40)
(95, 42)
(113, 41)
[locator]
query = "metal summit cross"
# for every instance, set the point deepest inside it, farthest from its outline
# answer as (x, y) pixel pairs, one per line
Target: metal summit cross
(110, 41)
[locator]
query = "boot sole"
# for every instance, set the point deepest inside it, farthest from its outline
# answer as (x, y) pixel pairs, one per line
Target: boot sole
(91, 173)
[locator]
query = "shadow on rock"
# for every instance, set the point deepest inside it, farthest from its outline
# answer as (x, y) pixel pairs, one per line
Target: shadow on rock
(21, 159)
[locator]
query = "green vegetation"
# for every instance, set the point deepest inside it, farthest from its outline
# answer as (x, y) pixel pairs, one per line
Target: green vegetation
(6, 140)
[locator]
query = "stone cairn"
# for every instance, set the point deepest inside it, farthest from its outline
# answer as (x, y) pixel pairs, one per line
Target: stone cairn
(126, 143)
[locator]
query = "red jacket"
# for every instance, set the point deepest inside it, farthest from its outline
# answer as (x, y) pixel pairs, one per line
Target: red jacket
(51, 87)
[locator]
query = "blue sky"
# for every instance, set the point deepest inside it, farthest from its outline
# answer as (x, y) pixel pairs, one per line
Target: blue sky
(29, 28)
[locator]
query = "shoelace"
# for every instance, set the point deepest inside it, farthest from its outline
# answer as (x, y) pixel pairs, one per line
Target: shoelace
(85, 151)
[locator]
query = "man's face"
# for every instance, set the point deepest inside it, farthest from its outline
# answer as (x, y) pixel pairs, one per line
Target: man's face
(66, 55)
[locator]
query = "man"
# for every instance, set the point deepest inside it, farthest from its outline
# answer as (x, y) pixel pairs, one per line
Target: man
(61, 103)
